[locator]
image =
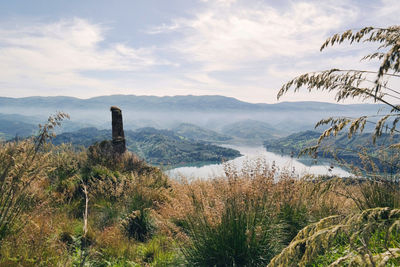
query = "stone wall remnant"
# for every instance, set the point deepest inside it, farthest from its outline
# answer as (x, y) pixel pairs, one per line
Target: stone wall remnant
(118, 137)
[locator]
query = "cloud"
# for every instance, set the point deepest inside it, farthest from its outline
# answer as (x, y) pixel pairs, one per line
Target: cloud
(232, 35)
(240, 48)
(55, 55)
(387, 13)
(220, 2)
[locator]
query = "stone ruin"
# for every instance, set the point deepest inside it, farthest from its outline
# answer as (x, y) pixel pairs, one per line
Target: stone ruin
(118, 137)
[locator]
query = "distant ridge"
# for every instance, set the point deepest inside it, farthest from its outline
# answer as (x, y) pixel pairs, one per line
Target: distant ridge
(211, 112)
(186, 102)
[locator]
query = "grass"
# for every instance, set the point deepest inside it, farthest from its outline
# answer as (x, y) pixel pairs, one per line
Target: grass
(139, 217)
(243, 237)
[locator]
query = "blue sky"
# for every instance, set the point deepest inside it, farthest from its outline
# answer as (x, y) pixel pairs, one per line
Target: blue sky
(241, 48)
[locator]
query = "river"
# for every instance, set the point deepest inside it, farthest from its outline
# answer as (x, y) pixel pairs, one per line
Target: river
(252, 155)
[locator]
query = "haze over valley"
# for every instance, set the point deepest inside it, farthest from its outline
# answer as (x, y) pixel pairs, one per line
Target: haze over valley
(224, 115)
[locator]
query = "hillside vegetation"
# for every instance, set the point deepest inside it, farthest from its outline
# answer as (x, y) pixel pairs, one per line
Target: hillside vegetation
(157, 147)
(13, 125)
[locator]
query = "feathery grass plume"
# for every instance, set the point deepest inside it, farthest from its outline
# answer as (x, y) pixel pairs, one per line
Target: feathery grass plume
(361, 84)
(246, 218)
(368, 238)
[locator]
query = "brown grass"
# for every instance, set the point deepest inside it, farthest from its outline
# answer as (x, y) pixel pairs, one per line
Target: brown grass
(251, 184)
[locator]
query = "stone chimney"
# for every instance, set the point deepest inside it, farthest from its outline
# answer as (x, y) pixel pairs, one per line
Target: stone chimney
(118, 137)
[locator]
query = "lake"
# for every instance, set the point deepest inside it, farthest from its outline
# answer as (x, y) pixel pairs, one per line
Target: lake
(252, 155)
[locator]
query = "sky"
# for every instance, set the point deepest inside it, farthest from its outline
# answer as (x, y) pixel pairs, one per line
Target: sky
(245, 49)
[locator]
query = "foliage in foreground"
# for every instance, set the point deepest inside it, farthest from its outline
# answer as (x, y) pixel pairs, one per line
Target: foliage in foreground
(369, 238)
(51, 187)
(22, 168)
(244, 235)
(245, 219)
(139, 217)
(361, 84)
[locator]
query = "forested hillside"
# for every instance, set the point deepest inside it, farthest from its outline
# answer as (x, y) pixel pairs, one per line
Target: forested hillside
(340, 147)
(159, 147)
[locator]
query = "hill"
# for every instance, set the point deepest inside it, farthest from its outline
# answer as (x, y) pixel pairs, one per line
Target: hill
(16, 125)
(157, 147)
(251, 130)
(341, 146)
(197, 133)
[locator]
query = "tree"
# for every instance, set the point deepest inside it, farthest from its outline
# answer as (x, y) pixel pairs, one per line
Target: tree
(363, 84)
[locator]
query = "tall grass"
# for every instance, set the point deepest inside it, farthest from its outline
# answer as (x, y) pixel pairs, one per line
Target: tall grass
(376, 183)
(246, 218)
(241, 220)
(22, 168)
(244, 236)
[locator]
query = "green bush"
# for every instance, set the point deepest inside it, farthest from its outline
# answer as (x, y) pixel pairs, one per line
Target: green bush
(245, 236)
(138, 225)
(292, 219)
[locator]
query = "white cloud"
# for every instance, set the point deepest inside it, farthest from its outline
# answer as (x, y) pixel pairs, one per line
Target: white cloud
(220, 2)
(240, 48)
(55, 55)
(226, 37)
(387, 13)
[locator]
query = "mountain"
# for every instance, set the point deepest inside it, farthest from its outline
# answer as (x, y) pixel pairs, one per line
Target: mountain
(210, 112)
(158, 147)
(197, 133)
(180, 102)
(251, 130)
(12, 125)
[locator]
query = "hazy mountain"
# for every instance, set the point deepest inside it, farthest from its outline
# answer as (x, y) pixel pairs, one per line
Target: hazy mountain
(210, 112)
(194, 132)
(12, 125)
(15, 125)
(251, 130)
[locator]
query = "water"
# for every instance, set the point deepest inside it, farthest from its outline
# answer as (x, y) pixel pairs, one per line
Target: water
(250, 156)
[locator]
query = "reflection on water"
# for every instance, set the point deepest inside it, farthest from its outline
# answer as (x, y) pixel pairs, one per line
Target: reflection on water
(250, 156)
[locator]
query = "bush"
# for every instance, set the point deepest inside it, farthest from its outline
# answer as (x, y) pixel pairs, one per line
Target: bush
(292, 219)
(244, 236)
(138, 225)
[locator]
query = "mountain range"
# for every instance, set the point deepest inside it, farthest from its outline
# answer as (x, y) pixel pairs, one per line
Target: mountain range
(210, 112)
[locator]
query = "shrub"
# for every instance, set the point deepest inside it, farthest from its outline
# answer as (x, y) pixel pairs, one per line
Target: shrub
(103, 154)
(160, 251)
(244, 236)
(292, 219)
(138, 225)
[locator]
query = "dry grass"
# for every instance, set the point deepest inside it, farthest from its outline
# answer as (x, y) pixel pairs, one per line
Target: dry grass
(278, 203)
(252, 184)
